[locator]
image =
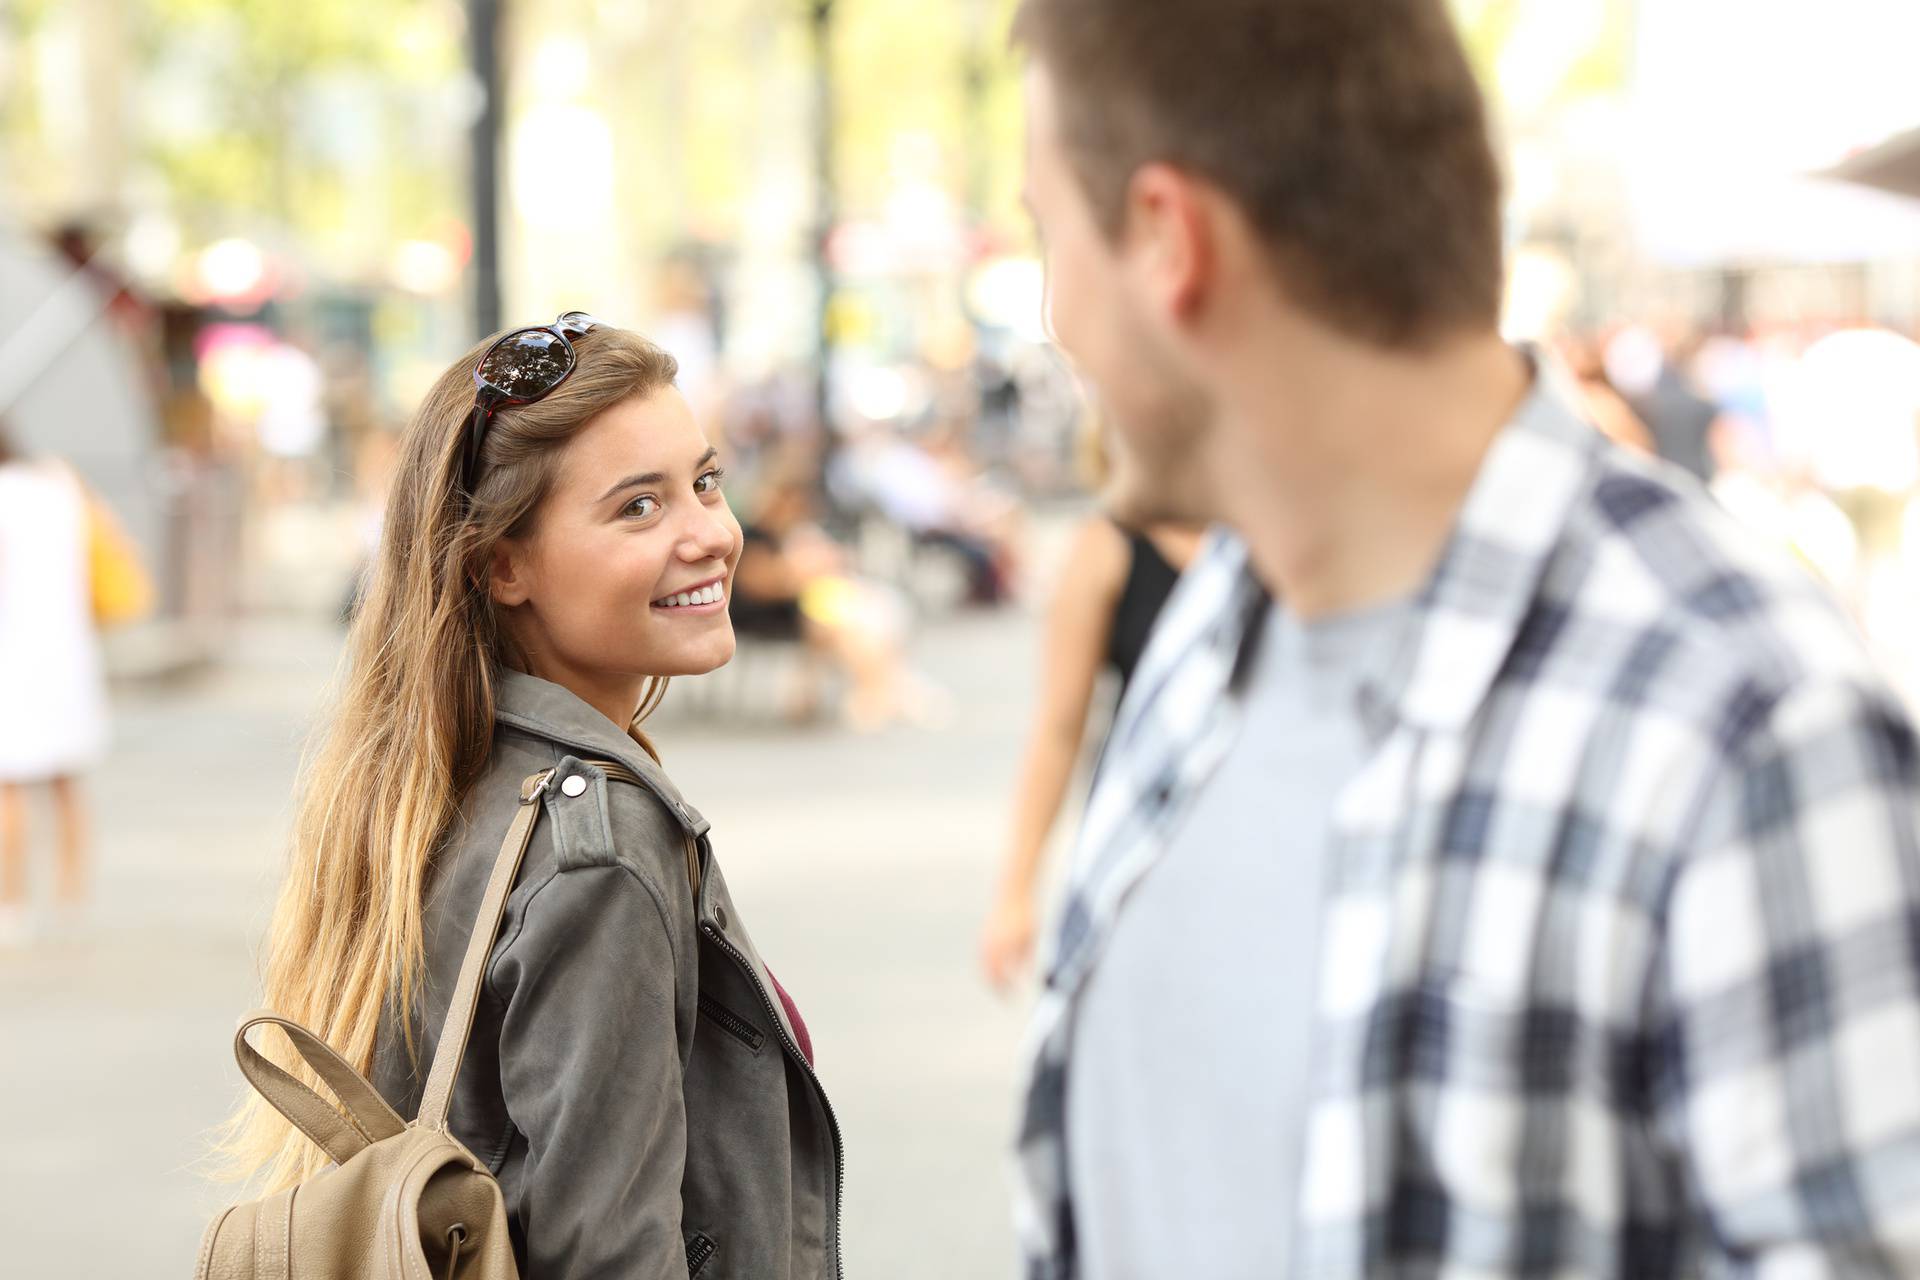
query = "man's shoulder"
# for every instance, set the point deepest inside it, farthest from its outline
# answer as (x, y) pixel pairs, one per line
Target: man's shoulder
(1658, 605)
(1653, 553)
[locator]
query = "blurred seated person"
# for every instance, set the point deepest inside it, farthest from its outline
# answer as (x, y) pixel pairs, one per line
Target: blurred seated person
(932, 489)
(794, 583)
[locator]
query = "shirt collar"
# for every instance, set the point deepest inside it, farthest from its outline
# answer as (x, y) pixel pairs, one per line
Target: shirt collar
(1470, 611)
(1466, 617)
(561, 716)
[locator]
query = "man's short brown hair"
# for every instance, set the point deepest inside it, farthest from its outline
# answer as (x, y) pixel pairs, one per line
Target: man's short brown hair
(1352, 133)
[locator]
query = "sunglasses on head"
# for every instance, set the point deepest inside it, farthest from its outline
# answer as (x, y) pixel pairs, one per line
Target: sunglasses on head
(522, 367)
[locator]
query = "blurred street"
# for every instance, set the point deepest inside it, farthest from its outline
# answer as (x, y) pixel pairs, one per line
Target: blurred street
(241, 242)
(863, 862)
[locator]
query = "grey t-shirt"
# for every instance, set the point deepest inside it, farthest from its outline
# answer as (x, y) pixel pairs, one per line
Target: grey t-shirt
(1187, 1083)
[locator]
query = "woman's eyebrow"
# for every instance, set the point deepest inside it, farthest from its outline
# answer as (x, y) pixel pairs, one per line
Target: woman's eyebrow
(655, 477)
(634, 482)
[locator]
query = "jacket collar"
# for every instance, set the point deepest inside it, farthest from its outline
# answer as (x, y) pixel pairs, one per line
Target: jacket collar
(561, 716)
(1470, 612)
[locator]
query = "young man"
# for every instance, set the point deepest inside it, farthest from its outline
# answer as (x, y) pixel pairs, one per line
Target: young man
(1535, 889)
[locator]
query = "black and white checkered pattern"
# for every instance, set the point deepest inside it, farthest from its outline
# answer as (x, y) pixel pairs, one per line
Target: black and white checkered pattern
(1621, 948)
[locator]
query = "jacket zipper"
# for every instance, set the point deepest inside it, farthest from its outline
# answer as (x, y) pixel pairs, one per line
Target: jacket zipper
(732, 1023)
(793, 1051)
(699, 1250)
(614, 769)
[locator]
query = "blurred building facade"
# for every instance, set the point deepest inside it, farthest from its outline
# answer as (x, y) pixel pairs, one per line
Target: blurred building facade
(813, 204)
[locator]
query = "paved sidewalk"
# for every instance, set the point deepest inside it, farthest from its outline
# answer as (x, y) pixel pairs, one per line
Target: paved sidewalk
(862, 863)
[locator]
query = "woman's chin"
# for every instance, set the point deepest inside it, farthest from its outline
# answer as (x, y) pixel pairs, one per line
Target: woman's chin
(710, 654)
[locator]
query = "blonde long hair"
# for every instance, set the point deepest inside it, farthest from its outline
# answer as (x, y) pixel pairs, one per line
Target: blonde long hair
(412, 724)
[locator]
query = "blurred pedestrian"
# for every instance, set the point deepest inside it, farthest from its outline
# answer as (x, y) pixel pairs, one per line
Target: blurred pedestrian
(1112, 586)
(1498, 866)
(1605, 407)
(636, 1079)
(53, 693)
(795, 583)
(1644, 370)
(1112, 589)
(927, 488)
(1852, 415)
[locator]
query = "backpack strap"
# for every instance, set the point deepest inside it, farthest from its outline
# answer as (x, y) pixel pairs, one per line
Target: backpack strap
(455, 1031)
(367, 1120)
(452, 1045)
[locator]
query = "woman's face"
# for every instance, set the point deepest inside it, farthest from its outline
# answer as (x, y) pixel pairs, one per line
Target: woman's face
(634, 524)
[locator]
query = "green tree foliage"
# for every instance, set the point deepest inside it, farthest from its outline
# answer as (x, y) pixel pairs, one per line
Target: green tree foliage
(1489, 26)
(304, 114)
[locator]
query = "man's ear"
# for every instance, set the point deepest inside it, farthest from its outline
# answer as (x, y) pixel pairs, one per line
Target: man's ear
(507, 575)
(1169, 236)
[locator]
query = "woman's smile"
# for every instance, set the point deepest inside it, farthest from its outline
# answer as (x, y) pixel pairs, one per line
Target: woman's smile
(700, 600)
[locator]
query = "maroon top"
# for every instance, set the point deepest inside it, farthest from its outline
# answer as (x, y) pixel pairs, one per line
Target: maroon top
(793, 1016)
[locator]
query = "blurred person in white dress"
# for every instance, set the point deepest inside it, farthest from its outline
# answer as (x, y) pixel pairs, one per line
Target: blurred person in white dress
(53, 697)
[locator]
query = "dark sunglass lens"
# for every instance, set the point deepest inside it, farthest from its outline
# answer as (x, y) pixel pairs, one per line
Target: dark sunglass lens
(527, 364)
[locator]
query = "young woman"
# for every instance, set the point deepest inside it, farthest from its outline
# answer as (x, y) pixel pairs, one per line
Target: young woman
(556, 546)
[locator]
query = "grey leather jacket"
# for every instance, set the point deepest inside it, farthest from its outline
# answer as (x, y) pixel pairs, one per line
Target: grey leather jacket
(633, 1079)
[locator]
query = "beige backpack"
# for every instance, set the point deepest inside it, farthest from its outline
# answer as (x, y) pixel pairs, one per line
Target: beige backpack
(402, 1201)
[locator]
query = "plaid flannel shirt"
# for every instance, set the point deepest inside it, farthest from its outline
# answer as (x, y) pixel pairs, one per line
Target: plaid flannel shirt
(1620, 959)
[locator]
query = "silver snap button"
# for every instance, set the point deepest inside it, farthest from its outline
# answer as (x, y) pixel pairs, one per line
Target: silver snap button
(720, 916)
(573, 785)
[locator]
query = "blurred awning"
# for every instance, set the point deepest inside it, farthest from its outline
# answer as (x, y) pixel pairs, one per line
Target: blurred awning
(1894, 165)
(1689, 213)
(73, 383)
(1720, 162)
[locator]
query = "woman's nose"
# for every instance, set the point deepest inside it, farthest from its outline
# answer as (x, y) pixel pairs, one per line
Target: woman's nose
(709, 536)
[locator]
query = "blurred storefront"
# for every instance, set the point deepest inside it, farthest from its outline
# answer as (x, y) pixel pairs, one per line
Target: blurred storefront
(81, 379)
(813, 206)
(1677, 164)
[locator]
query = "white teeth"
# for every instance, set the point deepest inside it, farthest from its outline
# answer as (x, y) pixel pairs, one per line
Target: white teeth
(705, 595)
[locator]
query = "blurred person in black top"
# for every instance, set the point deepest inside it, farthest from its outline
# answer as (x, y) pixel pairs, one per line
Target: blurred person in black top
(1110, 592)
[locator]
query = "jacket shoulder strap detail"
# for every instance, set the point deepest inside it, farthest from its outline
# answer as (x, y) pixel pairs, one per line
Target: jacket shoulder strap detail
(451, 1048)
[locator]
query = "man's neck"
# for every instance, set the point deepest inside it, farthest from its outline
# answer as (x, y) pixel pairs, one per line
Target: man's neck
(1345, 467)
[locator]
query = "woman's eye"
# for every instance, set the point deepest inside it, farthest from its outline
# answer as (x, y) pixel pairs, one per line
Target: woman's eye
(709, 482)
(641, 507)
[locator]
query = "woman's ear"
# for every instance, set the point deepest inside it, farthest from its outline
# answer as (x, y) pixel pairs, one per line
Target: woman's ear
(507, 577)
